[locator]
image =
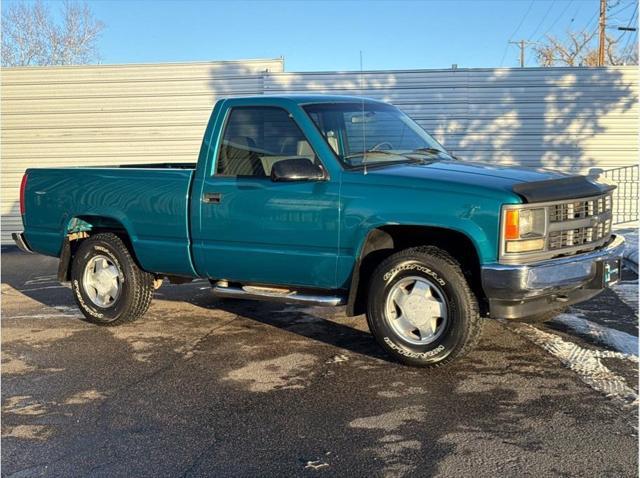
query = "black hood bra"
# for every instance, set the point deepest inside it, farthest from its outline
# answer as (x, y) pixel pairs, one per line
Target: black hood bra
(573, 187)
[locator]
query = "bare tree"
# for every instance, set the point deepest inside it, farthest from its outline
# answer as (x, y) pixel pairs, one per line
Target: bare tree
(569, 52)
(579, 49)
(632, 55)
(615, 54)
(31, 35)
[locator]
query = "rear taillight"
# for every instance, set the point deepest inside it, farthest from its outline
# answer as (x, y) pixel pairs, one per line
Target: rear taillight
(23, 186)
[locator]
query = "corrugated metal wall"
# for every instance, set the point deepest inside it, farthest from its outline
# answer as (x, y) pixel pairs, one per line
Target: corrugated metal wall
(104, 115)
(567, 118)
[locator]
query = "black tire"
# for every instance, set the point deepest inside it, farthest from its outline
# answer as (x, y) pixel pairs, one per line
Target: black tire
(135, 285)
(463, 327)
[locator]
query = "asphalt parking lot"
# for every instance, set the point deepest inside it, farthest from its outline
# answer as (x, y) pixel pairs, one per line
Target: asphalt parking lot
(202, 387)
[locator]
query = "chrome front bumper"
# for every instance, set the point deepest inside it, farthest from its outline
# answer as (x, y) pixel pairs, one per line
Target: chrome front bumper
(516, 291)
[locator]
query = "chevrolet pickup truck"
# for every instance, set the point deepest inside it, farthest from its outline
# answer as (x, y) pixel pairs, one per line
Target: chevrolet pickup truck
(329, 200)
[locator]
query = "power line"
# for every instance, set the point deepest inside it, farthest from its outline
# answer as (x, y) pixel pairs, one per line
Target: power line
(626, 49)
(626, 46)
(618, 18)
(506, 48)
(628, 27)
(556, 20)
(593, 17)
(575, 14)
(544, 18)
(623, 8)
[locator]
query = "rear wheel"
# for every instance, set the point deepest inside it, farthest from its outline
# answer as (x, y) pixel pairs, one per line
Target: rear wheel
(421, 308)
(108, 286)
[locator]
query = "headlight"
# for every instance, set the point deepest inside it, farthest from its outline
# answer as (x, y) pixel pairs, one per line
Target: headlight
(532, 222)
(524, 229)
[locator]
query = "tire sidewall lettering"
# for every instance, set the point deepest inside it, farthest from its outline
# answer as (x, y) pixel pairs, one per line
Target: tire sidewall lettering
(85, 306)
(408, 353)
(393, 272)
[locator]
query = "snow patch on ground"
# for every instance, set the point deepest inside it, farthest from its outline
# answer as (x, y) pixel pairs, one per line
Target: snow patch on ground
(631, 246)
(586, 363)
(616, 339)
(627, 291)
(315, 464)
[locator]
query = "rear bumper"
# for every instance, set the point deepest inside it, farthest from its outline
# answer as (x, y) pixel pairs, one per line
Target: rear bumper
(516, 291)
(21, 242)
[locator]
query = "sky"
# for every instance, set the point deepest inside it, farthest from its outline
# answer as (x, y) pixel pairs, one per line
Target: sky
(329, 35)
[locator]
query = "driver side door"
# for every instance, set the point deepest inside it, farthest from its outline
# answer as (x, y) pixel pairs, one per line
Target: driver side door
(252, 229)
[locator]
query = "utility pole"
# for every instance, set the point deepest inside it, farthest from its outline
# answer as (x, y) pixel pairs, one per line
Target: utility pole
(522, 44)
(603, 19)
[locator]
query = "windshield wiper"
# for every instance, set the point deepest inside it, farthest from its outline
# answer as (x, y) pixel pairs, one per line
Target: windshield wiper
(430, 150)
(371, 151)
(382, 164)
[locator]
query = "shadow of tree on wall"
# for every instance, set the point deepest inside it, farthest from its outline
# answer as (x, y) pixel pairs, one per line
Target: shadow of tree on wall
(572, 119)
(109, 115)
(565, 118)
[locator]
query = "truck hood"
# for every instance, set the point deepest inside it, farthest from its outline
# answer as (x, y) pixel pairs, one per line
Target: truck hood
(531, 185)
(459, 168)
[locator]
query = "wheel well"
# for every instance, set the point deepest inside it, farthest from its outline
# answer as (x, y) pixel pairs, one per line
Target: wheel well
(386, 240)
(82, 227)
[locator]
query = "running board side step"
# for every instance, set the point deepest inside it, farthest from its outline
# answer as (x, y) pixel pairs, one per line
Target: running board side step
(275, 295)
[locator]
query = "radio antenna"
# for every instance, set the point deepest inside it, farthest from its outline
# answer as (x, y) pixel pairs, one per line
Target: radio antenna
(364, 123)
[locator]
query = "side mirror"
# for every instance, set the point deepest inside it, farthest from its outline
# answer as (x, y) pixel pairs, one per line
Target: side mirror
(297, 169)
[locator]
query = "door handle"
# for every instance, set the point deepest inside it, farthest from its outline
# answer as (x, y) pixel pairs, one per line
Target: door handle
(212, 198)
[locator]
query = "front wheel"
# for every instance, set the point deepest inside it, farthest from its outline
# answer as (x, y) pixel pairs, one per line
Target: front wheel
(421, 308)
(108, 285)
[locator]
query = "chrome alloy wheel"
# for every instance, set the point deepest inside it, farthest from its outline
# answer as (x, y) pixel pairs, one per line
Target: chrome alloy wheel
(416, 310)
(102, 281)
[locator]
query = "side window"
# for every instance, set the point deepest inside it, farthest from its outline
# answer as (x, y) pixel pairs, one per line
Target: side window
(257, 137)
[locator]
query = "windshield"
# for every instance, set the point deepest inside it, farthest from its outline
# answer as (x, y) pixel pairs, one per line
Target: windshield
(373, 133)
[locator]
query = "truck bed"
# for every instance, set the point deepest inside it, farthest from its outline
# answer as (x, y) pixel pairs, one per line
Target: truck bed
(149, 201)
(159, 166)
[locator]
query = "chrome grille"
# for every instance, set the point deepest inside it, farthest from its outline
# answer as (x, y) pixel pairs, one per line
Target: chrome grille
(579, 223)
(579, 209)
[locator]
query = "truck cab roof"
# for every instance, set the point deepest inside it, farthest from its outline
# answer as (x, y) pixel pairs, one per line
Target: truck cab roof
(308, 98)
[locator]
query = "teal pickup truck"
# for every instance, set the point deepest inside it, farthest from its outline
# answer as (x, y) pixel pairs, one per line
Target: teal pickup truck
(329, 200)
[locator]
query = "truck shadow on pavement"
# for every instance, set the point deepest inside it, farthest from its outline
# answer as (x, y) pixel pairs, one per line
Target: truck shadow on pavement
(319, 325)
(197, 375)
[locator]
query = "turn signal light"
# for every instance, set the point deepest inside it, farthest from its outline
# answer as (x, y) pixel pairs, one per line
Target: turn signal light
(512, 225)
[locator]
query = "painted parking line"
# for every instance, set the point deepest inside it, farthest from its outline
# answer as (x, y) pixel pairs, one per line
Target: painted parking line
(616, 339)
(587, 363)
(627, 291)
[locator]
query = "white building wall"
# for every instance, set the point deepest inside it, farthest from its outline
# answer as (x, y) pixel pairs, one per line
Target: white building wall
(572, 119)
(109, 115)
(564, 118)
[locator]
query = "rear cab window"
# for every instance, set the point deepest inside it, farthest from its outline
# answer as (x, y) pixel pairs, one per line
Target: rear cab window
(255, 138)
